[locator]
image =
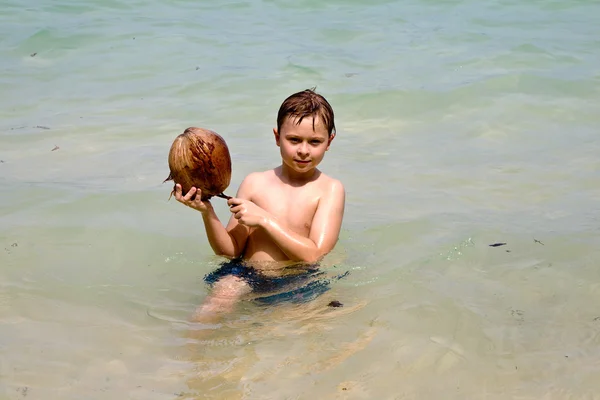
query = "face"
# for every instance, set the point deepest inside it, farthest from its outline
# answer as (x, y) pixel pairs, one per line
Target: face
(302, 148)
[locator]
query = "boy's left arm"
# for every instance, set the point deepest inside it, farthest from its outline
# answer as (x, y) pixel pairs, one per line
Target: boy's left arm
(324, 232)
(327, 222)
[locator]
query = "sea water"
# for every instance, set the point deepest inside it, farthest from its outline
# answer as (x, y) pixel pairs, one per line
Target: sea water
(461, 124)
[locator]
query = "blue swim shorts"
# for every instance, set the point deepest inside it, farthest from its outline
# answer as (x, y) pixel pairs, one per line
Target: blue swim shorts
(305, 284)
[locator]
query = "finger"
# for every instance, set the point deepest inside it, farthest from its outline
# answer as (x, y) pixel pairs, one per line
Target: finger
(234, 201)
(189, 194)
(178, 192)
(239, 209)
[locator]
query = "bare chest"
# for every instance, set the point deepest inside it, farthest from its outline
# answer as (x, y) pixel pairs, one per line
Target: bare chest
(295, 207)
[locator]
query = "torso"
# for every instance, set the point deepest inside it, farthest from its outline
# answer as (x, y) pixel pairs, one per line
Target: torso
(293, 206)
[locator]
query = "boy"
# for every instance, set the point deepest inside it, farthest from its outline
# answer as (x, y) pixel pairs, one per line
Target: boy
(290, 214)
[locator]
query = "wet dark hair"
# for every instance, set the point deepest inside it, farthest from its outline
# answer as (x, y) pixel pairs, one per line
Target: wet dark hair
(307, 103)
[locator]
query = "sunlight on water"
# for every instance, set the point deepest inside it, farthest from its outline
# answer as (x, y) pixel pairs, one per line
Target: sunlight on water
(467, 142)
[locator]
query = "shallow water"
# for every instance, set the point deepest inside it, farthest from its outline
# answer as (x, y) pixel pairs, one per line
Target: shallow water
(460, 124)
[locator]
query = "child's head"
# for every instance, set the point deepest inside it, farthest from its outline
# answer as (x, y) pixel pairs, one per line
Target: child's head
(307, 103)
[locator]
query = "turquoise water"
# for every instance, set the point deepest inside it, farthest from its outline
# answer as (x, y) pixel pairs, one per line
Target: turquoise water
(460, 124)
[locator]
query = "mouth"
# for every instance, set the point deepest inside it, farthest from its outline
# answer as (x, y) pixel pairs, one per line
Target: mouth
(302, 162)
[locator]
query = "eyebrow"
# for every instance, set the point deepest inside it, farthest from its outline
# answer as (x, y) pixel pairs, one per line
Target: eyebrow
(292, 136)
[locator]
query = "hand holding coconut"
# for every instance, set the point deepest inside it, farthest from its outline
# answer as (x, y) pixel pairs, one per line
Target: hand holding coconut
(192, 199)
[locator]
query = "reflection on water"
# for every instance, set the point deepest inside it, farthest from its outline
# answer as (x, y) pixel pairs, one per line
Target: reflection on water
(263, 345)
(461, 318)
(460, 124)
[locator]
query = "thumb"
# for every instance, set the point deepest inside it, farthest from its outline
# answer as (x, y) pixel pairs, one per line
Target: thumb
(234, 202)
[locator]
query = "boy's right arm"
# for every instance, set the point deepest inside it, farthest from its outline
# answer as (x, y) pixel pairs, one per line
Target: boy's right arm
(229, 242)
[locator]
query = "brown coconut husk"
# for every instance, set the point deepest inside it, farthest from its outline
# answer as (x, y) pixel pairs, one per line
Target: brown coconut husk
(200, 158)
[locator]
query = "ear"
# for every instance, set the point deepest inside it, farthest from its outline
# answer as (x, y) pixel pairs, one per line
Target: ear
(276, 136)
(329, 140)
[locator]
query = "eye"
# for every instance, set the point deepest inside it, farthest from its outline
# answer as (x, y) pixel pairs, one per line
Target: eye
(294, 140)
(316, 142)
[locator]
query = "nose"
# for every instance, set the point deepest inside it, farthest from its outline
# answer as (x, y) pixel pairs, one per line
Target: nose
(303, 149)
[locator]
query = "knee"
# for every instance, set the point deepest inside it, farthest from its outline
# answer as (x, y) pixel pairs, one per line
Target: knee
(230, 287)
(225, 293)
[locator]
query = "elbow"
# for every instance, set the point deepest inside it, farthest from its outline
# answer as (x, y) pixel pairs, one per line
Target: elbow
(312, 257)
(316, 254)
(224, 254)
(227, 253)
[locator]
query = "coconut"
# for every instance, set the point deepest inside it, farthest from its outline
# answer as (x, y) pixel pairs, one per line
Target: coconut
(200, 158)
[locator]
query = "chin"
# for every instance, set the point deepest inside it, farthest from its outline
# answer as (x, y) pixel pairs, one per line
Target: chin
(306, 167)
(301, 169)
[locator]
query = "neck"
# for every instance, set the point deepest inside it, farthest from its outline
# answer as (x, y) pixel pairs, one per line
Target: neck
(288, 175)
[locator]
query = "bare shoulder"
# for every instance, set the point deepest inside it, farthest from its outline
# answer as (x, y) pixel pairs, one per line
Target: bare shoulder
(259, 177)
(331, 187)
(253, 181)
(253, 178)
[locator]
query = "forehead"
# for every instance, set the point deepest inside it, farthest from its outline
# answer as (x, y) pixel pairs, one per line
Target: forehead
(305, 127)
